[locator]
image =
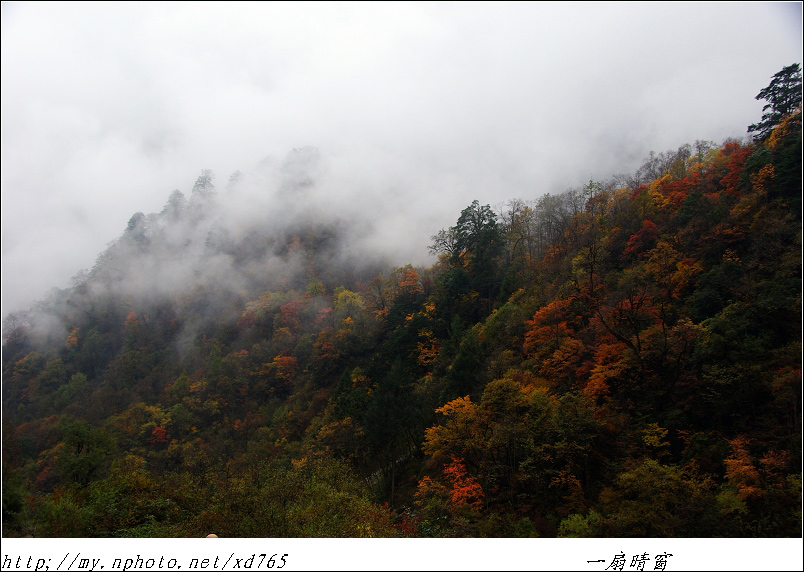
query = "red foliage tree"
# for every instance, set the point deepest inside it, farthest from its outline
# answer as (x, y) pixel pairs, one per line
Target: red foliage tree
(158, 436)
(548, 327)
(642, 240)
(465, 491)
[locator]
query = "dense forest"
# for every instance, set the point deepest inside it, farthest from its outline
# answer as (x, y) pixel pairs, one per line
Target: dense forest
(622, 359)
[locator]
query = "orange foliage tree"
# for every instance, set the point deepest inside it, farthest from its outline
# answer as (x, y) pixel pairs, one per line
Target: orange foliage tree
(465, 490)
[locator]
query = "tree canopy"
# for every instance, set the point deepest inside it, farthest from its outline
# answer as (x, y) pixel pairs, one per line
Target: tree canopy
(783, 95)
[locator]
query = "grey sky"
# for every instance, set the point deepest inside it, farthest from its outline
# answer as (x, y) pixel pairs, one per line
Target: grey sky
(417, 108)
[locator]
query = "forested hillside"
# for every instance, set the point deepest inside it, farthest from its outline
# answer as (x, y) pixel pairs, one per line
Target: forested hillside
(622, 359)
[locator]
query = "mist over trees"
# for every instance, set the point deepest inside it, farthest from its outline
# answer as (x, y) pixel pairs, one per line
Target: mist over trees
(621, 359)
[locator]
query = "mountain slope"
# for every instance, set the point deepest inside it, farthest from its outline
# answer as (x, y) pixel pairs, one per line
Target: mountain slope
(585, 364)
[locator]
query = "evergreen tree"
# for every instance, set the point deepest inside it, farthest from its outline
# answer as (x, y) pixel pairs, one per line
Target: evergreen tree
(783, 95)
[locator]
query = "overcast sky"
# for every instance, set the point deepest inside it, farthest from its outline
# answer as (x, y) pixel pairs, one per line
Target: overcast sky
(417, 108)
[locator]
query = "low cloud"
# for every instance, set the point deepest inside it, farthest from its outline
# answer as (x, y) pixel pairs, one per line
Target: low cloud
(416, 109)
